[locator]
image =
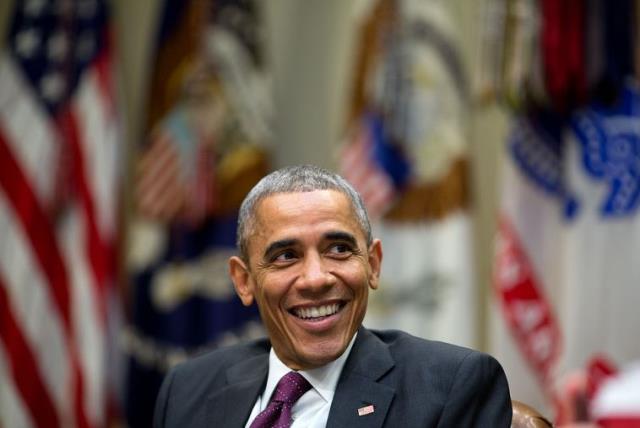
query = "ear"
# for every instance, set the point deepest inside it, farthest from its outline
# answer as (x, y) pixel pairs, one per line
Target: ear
(242, 281)
(375, 261)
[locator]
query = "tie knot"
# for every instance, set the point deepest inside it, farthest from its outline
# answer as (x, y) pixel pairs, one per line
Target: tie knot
(291, 387)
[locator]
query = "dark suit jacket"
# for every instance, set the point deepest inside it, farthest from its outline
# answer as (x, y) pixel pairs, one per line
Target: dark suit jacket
(411, 382)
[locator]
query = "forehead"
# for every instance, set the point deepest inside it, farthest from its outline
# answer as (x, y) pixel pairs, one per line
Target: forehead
(296, 211)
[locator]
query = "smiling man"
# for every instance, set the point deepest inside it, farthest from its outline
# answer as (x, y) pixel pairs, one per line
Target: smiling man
(308, 260)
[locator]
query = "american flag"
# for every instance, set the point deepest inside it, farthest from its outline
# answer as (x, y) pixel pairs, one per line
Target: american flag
(58, 203)
(166, 190)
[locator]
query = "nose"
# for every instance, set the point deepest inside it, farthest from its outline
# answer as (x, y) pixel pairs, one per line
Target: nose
(314, 275)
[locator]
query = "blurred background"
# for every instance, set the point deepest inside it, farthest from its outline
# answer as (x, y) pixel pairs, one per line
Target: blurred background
(496, 144)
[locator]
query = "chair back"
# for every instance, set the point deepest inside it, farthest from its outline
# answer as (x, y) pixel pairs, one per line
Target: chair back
(527, 417)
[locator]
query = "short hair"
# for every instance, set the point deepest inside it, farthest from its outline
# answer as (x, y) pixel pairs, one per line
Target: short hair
(299, 178)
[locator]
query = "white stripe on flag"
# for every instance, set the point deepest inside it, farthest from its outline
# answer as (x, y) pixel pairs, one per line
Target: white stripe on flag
(88, 327)
(32, 304)
(28, 131)
(12, 410)
(99, 135)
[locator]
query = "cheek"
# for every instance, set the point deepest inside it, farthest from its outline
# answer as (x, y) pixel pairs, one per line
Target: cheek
(272, 286)
(356, 278)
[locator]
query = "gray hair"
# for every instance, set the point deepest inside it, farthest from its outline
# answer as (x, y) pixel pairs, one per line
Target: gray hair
(299, 178)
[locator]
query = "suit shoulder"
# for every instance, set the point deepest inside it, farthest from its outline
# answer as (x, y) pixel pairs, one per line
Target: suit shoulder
(189, 384)
(408, 348)
(457, 386)
(210, 363)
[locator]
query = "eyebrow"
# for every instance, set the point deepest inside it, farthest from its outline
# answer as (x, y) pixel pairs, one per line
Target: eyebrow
(287, 243)
(341, 236)
(278, 245)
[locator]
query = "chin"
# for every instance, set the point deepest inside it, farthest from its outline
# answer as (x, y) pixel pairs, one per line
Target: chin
(321, 354)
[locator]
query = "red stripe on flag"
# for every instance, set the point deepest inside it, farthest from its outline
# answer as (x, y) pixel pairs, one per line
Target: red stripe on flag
(37, 227)
(96, 249)
(41, 237)
(26, 373)
(103, 67)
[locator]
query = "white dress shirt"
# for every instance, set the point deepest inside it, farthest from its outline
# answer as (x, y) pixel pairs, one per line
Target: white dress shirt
(312, 409)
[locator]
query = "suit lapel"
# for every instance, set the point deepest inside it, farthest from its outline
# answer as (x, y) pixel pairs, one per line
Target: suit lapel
(359, 388)
(232, 404)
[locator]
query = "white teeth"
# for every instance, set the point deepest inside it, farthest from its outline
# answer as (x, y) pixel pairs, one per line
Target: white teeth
(317, 311)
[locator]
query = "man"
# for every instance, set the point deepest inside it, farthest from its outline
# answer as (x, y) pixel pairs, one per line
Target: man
(308, 260)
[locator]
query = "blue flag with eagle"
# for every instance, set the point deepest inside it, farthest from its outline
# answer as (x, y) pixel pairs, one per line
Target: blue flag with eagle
(205, 148)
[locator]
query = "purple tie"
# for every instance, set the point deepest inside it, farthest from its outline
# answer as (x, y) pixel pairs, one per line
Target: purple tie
(278, 413)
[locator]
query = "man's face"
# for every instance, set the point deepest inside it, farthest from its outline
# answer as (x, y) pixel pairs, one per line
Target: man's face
(309, 271)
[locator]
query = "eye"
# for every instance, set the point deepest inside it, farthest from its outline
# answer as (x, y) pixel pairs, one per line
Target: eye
(284, 256)
(340, 249)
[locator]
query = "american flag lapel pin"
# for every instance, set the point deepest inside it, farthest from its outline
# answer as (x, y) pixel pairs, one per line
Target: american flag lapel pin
(366, 410)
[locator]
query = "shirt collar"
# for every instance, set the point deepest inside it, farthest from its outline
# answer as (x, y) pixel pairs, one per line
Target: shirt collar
(323, 379)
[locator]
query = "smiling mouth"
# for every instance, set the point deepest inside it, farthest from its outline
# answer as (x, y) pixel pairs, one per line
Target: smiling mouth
(317, 312)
